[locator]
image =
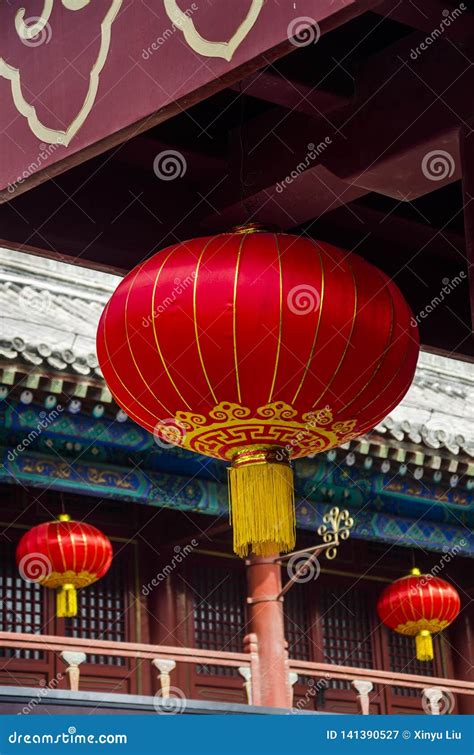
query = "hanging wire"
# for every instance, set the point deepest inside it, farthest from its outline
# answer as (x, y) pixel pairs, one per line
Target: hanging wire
(241, 146)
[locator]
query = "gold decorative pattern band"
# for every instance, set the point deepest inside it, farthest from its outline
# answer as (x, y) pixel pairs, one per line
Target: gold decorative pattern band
(229, 427)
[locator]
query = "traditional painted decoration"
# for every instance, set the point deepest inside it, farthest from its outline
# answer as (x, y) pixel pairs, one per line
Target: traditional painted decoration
(419, 605)
(64, 555)
(210, 49)
(257, 348)
(37, 32)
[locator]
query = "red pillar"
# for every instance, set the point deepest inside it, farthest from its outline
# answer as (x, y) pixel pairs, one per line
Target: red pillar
(266, 621)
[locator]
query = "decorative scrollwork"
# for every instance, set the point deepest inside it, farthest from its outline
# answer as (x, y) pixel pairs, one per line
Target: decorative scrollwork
(336, 526)
(228, 427)
(28, 30)
(209, 48)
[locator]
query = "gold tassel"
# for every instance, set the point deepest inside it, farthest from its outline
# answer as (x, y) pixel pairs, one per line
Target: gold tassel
(424, 646)
(66, 601)
(262, 502)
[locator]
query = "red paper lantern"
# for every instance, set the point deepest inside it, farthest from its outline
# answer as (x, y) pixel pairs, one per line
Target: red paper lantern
(64, 555)
(419, 605)
(257, 348)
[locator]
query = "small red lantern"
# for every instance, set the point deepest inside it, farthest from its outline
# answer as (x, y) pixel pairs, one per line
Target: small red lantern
(419, 605)
(64, 555)
(257, 348)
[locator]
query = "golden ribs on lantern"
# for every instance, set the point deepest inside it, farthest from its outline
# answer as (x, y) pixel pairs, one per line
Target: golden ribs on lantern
(257, 348)
(419, 605)
(64, 555)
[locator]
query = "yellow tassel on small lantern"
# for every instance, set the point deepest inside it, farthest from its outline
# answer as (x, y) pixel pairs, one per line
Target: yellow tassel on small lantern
(424, 646)
(262, 502)
(66, 601)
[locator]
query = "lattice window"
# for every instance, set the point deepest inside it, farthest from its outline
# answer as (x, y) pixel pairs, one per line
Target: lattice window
(298, 622)
(219, 612)
(402, 658)
(346, 629)
(22, 607)
(102, 612)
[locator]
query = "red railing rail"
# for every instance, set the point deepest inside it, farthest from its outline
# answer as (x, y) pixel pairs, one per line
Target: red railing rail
(395, 679)
(57, 644)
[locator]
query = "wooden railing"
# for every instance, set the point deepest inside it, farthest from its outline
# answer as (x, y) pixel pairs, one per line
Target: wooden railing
(437, 693)
(164, 658)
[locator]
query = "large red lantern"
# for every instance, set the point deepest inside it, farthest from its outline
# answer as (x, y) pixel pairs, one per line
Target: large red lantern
(419, 605)
(257, 348)
(64, 555)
